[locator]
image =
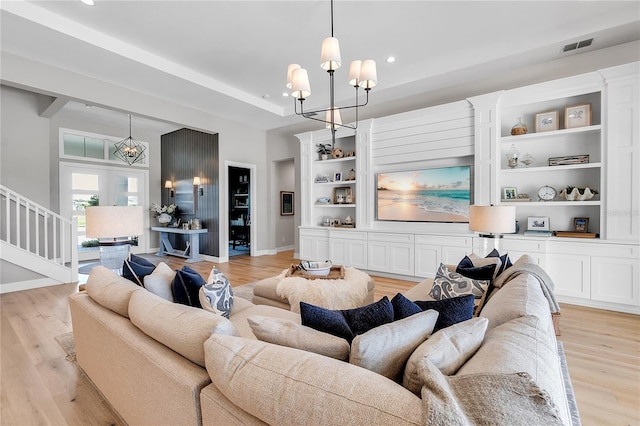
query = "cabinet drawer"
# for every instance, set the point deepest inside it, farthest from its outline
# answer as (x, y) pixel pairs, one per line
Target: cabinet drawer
(391, 238)
(594, 249)
(440, 240)
(348, 235)
(522, 245)
(324, 233)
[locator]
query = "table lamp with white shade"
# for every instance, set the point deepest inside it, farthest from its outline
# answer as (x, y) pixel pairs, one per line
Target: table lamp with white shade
(491, 222)
(114, 226)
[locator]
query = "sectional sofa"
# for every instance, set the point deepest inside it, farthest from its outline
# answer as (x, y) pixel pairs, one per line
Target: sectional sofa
(158, 362)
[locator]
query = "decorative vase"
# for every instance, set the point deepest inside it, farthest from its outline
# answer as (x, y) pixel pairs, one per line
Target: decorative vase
(324, 156)
(164, 219)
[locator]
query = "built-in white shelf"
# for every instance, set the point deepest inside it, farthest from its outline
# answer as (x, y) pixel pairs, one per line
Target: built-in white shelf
(561, 132)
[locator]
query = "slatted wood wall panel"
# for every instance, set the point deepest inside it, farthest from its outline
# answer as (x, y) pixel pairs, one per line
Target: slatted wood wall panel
(187, 153)
(427, 134)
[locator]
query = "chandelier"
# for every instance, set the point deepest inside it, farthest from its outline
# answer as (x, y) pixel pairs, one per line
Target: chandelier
(130, 150)
(361, 74)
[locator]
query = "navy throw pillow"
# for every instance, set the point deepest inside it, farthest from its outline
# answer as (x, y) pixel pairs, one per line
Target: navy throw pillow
(452, 311)
(325, 320)
(506, 262)
(403, 307)
(136, 268)
(365, 318)
(186, 287)
(466, 268)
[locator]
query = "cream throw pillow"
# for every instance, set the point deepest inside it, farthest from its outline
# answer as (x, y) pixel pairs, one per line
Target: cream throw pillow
(159, 281)
(111, 290)
(385, 349)
(288, 333)
(448, 349)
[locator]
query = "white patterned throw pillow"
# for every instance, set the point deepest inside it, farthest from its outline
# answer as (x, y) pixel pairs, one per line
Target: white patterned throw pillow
(218, 293)
(448, 284)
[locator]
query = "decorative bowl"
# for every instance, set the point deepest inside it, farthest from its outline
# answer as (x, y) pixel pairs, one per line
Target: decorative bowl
(315, 268)
(578, 194)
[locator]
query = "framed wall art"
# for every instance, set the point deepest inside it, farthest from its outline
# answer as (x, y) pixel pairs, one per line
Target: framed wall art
(547, 121)
(577, 116)
(286, 203)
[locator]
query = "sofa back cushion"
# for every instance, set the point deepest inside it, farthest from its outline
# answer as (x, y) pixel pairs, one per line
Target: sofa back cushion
(179, 327)
(522, 345)
(286, 386)
(111, 290)
(519, 297)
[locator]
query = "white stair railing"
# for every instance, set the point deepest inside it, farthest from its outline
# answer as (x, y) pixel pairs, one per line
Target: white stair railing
(32, 228)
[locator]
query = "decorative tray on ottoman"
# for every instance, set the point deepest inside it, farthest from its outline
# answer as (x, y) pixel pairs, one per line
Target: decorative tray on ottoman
(335, 273)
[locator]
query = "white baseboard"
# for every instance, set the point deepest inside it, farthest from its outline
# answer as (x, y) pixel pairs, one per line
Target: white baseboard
(28, 285)
(285, 248)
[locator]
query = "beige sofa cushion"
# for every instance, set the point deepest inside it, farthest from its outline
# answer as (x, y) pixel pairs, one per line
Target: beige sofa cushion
(522, 345)
(448, 349)
(179, 327)
(519, 297)
(285, 386)
(386, 348)
(240, 319)
(285, 332)
(159, 281)
(111, 290)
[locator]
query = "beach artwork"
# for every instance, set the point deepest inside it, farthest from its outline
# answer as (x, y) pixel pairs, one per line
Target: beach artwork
(429, 195)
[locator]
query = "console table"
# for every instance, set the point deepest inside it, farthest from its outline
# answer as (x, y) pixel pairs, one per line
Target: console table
(191, 253)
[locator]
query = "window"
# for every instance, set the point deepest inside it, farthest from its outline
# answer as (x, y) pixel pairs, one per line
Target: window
(77, 144)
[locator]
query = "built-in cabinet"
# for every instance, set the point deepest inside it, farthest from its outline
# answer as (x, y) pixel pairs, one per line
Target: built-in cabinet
(602, 272)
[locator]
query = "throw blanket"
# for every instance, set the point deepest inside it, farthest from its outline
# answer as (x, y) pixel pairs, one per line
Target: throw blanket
(538, 273)
(347, 293)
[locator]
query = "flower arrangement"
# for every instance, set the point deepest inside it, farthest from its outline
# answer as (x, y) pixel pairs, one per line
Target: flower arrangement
(157, 210)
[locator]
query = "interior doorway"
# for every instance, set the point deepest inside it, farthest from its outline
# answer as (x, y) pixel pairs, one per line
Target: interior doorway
(239, 190)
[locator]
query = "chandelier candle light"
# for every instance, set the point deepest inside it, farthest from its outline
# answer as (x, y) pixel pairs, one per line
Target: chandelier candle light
(130, 150)
(361, 74)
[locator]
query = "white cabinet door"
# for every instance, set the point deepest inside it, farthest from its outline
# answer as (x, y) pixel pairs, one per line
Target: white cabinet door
(428, 258)
(570, 274)
(615, 280)
(352, 253)
(401, 258)
(453, 255)
(378, 256)
(314, 245)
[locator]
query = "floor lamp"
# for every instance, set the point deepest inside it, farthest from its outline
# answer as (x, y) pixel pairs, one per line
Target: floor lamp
(491, 222)
(114, 226)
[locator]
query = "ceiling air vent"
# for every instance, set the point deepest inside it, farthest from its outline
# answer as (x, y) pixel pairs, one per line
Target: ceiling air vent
(577, 45)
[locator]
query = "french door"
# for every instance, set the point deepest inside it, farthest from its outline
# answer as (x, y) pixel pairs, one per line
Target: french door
(83, 185)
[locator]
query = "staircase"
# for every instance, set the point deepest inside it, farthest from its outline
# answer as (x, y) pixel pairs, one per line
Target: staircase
(35, 238)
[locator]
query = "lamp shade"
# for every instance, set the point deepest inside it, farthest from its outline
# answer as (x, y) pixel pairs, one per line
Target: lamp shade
(197, 181)
(354, 73)
(368, 74)
(290, 69)
(330, 54)
(492, 219)
(300, 87)
(168, 184)
(114, 221)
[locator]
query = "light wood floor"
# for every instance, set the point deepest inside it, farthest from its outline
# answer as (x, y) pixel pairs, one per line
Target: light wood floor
(40, 387)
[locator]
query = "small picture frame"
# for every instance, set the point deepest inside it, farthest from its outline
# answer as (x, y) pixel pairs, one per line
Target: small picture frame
(337, 177)
(547, 121)
(340, 194)
(286, 203)
(538, 223)
(336, 222)
(509, 193)
(580, 224)
(577, 116)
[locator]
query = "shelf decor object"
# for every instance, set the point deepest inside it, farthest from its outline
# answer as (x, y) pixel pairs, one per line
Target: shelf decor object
(361, 74)
(570, 159)
(519, 128)
(577, 116)
(546, 121)
(572, 193)
(580, 224)
(491, 222)
(512, 156)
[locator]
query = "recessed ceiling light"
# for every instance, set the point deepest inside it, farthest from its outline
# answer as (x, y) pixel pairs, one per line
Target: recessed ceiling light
(390, 59)
(87, 2)
(285, 94)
